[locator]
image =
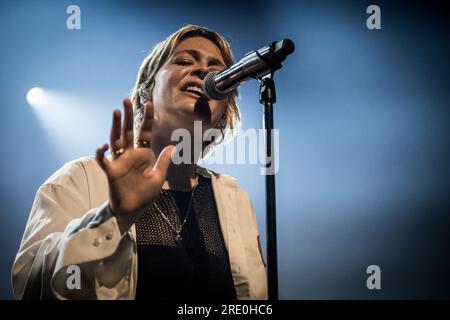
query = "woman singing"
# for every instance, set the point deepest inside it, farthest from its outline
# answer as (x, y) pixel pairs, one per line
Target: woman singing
(137, 224)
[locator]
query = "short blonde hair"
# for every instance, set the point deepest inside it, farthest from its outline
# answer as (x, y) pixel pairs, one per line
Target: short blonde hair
(158, 57)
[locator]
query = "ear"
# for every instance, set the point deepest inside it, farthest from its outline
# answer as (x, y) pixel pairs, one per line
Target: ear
(145, 94)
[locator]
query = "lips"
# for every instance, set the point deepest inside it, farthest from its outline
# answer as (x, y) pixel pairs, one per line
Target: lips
(194, 88)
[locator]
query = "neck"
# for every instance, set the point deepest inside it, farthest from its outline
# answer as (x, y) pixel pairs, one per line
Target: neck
(181, 176)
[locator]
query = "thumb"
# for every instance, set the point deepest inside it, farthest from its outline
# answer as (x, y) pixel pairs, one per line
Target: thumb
(163, 161)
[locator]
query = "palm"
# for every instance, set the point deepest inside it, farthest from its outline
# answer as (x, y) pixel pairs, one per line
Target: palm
(129, 177)
(134, 174)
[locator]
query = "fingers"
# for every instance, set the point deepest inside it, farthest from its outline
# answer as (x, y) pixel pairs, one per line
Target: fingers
(100, 157)
(115, 140)
(145, 131)
(127, 129)
(163, 161)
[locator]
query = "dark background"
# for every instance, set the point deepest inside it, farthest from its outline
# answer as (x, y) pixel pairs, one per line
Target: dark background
(363, 118)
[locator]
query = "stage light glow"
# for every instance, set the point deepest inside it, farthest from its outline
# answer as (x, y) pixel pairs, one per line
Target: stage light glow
(70, 120)
(36, 96)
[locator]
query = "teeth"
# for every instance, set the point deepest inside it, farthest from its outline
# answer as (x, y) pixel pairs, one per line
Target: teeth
(194, 88)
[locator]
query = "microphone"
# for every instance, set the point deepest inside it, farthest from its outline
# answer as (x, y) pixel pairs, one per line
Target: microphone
(255, 64)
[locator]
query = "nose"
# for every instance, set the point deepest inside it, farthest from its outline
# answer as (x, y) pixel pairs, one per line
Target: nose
(200, 71)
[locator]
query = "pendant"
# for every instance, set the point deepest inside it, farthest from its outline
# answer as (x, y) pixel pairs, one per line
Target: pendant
(178, 239)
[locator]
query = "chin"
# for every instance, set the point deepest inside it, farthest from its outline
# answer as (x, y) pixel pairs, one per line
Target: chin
(198, 108)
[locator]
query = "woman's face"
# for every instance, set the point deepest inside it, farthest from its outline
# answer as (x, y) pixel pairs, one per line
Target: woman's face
(174, 95)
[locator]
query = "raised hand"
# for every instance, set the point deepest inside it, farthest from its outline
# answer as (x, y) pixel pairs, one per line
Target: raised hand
(135, 175)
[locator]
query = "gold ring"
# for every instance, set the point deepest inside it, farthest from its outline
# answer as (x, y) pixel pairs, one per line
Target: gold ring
(119, 152)
(143, 143)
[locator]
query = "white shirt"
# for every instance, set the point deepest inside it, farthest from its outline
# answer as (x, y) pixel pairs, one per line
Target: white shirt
(71, 232)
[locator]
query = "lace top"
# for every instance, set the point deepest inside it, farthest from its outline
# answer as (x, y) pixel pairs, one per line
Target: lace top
(198, 267)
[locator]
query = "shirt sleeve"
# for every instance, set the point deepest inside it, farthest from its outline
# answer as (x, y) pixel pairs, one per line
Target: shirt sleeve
(71, 251)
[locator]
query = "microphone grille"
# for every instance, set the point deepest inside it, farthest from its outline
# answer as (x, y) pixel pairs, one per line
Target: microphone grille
(210, 89)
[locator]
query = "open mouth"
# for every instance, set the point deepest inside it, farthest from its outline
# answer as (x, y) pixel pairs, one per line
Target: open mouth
(195, 89)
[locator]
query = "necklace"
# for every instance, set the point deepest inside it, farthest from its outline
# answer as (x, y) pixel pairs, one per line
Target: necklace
(178, 238)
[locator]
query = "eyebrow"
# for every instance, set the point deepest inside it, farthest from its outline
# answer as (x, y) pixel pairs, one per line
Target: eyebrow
(197, 56)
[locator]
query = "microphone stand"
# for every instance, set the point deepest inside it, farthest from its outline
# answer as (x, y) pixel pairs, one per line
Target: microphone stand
(261, 64)
(267, 98)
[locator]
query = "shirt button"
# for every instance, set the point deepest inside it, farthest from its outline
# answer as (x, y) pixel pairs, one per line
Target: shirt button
(109, 236)
(97, 242)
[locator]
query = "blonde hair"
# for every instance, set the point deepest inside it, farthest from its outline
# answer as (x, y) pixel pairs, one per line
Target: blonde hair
(158, 57)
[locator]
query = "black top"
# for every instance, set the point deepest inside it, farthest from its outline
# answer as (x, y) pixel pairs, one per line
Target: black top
(198, 268)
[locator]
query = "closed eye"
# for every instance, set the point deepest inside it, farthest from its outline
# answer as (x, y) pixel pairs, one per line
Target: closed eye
(184, 62)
